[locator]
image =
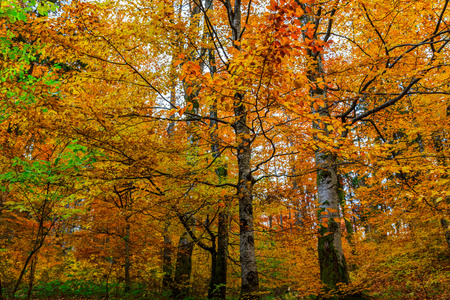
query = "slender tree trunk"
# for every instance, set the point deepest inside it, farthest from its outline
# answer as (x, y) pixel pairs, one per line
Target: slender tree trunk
(22, 272)
(167, 259)
(249, 272)
(167, 252)
(347, 222)
(38, 243)
(220, 285)
(127, 258)
(183, 267)
(213, 278)
(281, 223)
(446, 228)
(31, 278)
(219, 260)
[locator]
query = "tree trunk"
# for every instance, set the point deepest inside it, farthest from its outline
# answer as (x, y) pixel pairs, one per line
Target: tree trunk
(38, 243)
(333, 268)
(446, 231)
(249, 273)
(219, 260)
(220, 285)
(167, 259)
(183, 267)
(127, 259)
(213, 278)
(347, 222)
(167, 252)
(31, 278)
(1, 290)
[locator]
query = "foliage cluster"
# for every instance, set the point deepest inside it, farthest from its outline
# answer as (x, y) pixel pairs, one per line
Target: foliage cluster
(252, 149)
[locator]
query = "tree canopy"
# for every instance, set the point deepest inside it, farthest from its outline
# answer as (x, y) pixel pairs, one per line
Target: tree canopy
(224, 149)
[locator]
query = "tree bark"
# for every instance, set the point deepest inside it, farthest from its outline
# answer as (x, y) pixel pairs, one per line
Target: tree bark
(348, 223)
(333, 267)
(446, 228)
(219, 260)
(249, 272)
(127, 259)
(31, 278)
(183, 267)
(213, 277)
(41, 234)
(167, 259)
(221, 266)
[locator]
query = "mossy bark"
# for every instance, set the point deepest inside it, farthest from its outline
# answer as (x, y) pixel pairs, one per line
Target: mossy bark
(333, 268)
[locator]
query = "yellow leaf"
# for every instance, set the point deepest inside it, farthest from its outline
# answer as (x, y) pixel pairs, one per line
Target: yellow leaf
(297, 84)
(223, 193)
(177, 62)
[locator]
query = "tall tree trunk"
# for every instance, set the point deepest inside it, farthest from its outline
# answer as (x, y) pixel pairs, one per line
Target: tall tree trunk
(333, 268)
(183, 267)
(249, 272)
(167, 252)
(219, 259)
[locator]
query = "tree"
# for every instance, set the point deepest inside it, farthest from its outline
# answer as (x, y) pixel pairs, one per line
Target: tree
(286, 139)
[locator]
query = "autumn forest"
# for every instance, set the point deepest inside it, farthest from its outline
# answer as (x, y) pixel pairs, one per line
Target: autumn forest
(225, 149)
